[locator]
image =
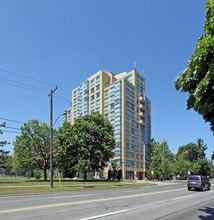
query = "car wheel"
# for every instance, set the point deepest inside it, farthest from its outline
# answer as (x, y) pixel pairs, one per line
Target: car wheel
(189, 188)
(208, 188)
(203, 188)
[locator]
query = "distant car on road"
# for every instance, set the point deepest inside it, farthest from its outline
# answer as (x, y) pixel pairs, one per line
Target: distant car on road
(198, 182)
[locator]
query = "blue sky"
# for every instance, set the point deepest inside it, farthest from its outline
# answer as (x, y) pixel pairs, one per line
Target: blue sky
(44, 43)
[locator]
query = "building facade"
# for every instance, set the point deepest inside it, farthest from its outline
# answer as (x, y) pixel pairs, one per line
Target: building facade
(121, 98)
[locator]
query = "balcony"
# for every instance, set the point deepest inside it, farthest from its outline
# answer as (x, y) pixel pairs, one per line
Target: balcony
(141, 121)
(141, 114)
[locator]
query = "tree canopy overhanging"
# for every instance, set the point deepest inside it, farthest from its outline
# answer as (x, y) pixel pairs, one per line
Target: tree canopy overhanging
(198, 78)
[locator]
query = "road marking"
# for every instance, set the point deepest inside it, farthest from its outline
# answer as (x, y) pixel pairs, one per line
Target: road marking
(73, 196)
(104, 215)
(183, 197)
(86, 201)
(135, 190)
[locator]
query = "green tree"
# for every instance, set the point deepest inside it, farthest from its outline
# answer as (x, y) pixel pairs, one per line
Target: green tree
(96, 141)
(191, 159)
(3, 157)
(212, 156)
(114, 166)
(3, 153)
(156, 159)
(198, 78)
(202, 147)
(182, 166)
(189, 152)
(204, 167)
(6, 164)
(211, 169)
(162, 163)
(67, 147)
(32, 147)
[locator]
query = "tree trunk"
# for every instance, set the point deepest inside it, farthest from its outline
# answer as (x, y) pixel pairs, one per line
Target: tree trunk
(85, 175)
(45, 174)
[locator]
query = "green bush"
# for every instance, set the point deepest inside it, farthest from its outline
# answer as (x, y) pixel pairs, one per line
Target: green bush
(37, 174)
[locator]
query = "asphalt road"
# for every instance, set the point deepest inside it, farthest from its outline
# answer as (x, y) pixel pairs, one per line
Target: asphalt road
(164, 201)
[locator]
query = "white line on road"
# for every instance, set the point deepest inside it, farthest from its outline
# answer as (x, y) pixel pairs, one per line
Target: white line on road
(64, 197)
(182, 197)
(104, 215)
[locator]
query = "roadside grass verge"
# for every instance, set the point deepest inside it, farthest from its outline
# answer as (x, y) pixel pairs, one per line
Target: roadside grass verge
(10, 186)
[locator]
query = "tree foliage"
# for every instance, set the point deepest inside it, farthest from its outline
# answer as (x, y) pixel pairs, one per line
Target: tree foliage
(190, 159)
(212, 156)
(97, 141)
(202, 147)
(66, 151)
(182, 166)
(198, 78)
(114, 171)
(189, 152)
(193, 156)
(87, 145)
(3, 157)
(162, 160)
(3, 153)
(32, 147)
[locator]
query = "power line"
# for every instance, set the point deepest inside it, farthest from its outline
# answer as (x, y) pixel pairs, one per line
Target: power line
(26, 77)
(6, 119)
(8, 127)
(13, 128)
(33, 79)
(10, 131)
(62, 99)
(31, 87)
(68, 93)
(23, 85)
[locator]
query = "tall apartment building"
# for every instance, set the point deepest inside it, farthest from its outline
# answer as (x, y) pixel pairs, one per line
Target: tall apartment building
(121, 98)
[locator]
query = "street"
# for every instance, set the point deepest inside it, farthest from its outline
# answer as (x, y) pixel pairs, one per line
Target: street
(165, 201)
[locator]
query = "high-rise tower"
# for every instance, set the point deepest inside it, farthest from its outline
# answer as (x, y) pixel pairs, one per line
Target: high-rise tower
(122, 99)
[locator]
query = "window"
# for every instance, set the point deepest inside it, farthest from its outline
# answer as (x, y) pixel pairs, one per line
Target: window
(97, 95)
(129, 105)
(134, 124)
(130, 163)
(95, 80)
(130, 154)
(128, 121)
(134, 147)
(130, 97)
(140, 80)
(129, 78)
(127, 146)
(130, 89)
(140, 88)
(134, 131)
(130, 113)
(97, 87)
(94, 89)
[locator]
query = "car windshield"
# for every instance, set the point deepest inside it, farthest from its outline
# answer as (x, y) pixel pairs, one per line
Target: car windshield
(193, 178)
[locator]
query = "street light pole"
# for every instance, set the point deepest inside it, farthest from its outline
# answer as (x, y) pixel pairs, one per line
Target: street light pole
(51, 135)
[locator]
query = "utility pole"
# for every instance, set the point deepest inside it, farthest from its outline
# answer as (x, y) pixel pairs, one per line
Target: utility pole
(163, 159)
(51, 135)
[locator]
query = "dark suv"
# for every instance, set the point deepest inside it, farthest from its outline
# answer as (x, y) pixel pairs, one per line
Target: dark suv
(198, 182)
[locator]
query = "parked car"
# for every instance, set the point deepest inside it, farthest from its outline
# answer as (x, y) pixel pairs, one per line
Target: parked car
(198, 182)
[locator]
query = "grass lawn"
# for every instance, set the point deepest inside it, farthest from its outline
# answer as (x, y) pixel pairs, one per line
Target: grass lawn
(10, 186)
